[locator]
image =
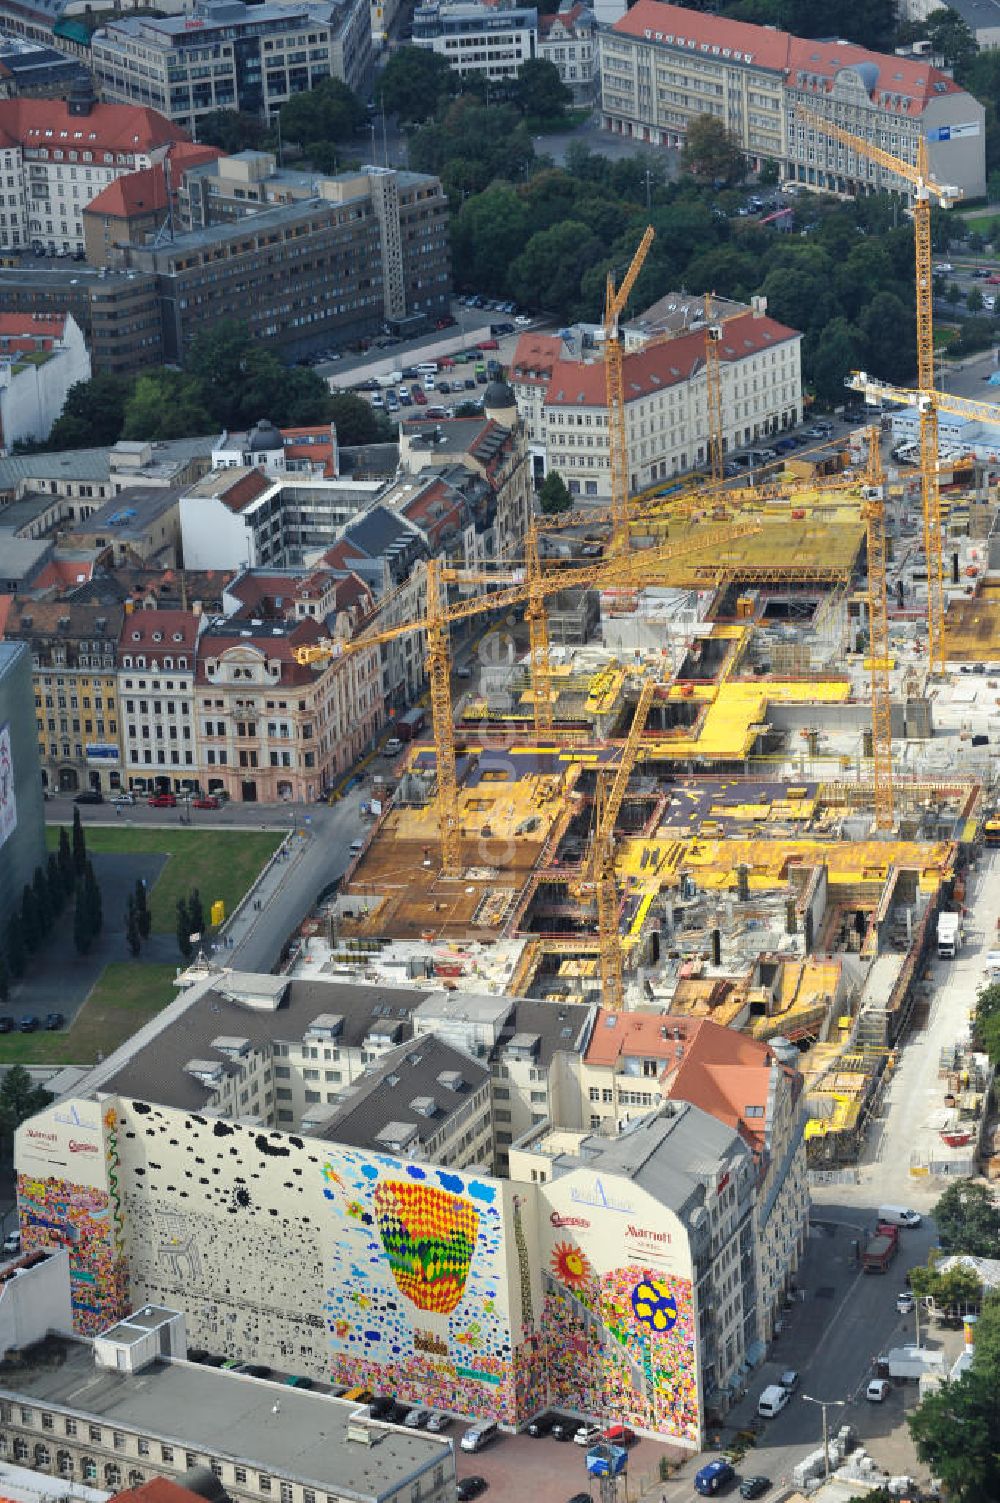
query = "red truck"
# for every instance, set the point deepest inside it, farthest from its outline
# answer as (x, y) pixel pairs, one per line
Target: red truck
(882, 1248)
(409, 726)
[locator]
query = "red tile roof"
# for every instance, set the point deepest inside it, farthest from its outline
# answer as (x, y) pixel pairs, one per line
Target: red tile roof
(159, 1490)
(29, 328)
(145, 192)
(46, 124)
(244, 488)
(156, 635)
(780, 52)
(666, 363)
(65, 573)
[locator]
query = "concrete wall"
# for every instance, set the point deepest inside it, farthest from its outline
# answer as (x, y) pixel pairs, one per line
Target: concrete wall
(22, 826)
(32, 399)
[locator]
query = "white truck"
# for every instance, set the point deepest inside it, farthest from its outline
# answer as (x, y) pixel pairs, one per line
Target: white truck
(949, 935)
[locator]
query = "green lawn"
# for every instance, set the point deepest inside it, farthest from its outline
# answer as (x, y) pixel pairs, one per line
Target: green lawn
(125, 997)
(220, 863)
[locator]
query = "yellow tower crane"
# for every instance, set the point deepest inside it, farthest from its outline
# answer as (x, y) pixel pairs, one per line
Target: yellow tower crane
(713, 387)
(873, 512)
(600, 870)
(641, 567)
(614, 304)
(925, 188)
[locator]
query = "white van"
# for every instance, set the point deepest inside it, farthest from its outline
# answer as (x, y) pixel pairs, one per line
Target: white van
(479, 1436)
(427, 368)
(772, 1401)
(898, 1216)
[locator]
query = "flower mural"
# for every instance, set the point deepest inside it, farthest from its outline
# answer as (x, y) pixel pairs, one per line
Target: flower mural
(654, 1306)
(570, 1265)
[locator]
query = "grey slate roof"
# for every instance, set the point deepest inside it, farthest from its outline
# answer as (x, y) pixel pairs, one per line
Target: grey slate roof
(270, 1427)
(385, 1095)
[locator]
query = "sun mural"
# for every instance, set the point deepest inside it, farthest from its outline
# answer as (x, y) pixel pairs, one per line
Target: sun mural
(570, 1266)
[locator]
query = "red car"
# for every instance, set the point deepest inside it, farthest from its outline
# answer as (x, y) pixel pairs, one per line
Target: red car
(162, 801)
(619, 1435)
(206, 801)
(487, 344)
(420, 396)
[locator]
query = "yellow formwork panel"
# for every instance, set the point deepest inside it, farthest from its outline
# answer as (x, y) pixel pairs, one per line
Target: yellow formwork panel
(735, 712)
(715, 863)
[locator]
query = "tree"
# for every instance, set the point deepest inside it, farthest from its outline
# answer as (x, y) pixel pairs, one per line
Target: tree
(239, 380)
(329, 112)
(17, 955)
(974, 300)
(957, 1432)
(952, 1291)
(67, 865)
(231, 131)
(183, 929)
(951, 38)
(31, 924)
(836, 354)
(195, 912)
(93, 413)
(4, 980)
(712, 152)
(143, 915)
(79, 844)
(40, 887)
(888, 328)
(547, 272)
(20, 1098)
(553, 495)
(166, 404)
(54, 883)
(415, 82)
(133, 937)
(488, 234)
(769, 175)
(968, 1219)
(539, 93)
(92, 900)
(358, 423)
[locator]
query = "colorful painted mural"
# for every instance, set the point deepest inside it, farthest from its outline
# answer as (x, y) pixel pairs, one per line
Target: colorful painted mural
(55, 1213)
(418, 1300)
(621, 1344)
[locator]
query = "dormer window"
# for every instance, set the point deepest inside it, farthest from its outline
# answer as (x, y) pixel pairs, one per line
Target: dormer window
(137, 636)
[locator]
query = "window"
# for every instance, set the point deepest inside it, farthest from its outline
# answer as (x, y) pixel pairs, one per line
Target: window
(166, 1453)
(96, 1434)
(135, 1479)
(190, 1460)
(113, 1475)
(27, 1416)
(264, 1483)
(42, 1455)
(70, 1427)
(143, 1446)
(286, 1492)
(240, 1473)
(88, 1469)
(119, 1440)
(20, 1449)
(47, 1421)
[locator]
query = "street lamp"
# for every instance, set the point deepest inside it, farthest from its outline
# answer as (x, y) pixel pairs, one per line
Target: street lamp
(826, 1404)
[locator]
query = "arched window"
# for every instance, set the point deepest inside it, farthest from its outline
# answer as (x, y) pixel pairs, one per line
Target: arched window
(43, 1457)
(88, 1469)
(112, 1475)
(20, 1449)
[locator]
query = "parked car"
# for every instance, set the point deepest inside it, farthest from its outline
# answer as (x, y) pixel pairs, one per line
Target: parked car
(417, 1418)
(29, 1024)
(470, 1487)
(541, 1426)
(162, 801)
(943, 267)
(904, 1302)
(420, 396)
(206, 801)
(754, 1487)
(878, 1390)
(522, 319)
(89, 796)
(123, 798)
(619, 1435)
(254, 1369)
(296, 1381)
(54, 1021)
(380, 1405)
(12, 1243)
(713, 1478)
(564, 1429)
(438, 1421)
(587, 1434)
(789, 1379)
(6, 1025)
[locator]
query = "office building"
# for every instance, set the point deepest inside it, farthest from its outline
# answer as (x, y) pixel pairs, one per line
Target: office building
(119, 312)
(224, 55)
(663, 65)
(475, 37)
(56, 155)
(563, 401)
(138, 206)
(31, 71)
(22, 826)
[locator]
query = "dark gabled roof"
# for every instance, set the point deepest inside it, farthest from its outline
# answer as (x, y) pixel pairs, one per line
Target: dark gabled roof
(386, 1095)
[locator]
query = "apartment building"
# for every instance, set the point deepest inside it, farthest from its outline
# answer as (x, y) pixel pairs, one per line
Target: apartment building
(663, 65)
(568, 40)
(270, 728)
(563, 402)
(156, 664)
(56, 155)
(226, 55)
(138, 206)
(118, 311)
(73, 650)
(476, 37)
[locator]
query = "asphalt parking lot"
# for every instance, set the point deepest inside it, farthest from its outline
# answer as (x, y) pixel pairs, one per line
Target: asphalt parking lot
(516, 1466)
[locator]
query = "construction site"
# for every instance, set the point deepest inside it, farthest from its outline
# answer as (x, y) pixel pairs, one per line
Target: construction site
(732, 767)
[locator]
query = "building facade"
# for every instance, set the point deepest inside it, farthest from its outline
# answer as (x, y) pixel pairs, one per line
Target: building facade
(73, 649)
(56, 155)
(118, 311)
(156, 663)
(568, 40)
(563, 403)
(472, 37)
(40, 359)
(225, 55)
(22, 824)
(614, 1278)
(663, 65)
